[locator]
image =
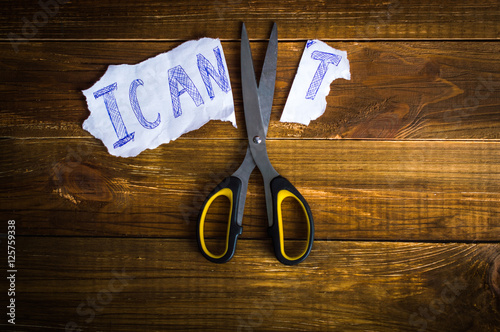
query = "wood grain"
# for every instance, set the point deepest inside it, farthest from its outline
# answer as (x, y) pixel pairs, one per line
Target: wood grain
(398, 90)
(158, 284)
(181, 20)
(408, 190)
(402, 172)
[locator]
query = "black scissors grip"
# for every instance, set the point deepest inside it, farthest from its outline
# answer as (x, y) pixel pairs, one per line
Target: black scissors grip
(231, 188)
(281, 188)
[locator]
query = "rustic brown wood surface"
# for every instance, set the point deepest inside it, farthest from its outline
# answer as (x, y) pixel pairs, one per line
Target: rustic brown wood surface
(402, 173)
(400, 190)
(161, 284)
(398, 90)
(180, 20)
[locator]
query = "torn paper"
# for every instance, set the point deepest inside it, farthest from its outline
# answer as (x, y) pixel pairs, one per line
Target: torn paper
(319, 66)
(138, 107)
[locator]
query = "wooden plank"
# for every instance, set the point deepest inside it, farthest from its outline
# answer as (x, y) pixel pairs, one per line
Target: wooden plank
(400, 190)
(156, 284)
(108, 244)
(411, 90)
(181, 20)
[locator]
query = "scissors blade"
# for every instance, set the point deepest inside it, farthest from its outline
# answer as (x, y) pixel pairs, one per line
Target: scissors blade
(256, 130)
(265, 94)
(268, 77)
(251, 102)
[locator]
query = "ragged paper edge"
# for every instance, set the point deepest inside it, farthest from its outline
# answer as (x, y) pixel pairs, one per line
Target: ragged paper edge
(99, 134)
(231, 118)
(291, 118)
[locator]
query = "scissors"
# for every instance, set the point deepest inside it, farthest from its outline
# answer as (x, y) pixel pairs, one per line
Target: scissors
(257, 103)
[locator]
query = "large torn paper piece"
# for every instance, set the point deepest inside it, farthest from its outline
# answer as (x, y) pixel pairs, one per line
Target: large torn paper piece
(319, 66)
(138, 107)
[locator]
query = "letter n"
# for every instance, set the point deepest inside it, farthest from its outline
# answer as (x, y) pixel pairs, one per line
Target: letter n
(207, 70)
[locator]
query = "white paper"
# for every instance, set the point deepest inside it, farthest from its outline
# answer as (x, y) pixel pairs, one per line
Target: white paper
(319, 66)
(138, 107)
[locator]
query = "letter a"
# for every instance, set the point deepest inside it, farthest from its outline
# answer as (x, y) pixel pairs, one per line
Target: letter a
(176, 76)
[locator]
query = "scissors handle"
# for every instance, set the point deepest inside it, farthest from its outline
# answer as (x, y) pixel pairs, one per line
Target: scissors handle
(231, 188)
(281, 188)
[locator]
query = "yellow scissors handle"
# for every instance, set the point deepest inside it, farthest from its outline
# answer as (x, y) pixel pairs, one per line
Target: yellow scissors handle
(281, 188)
(230, 187)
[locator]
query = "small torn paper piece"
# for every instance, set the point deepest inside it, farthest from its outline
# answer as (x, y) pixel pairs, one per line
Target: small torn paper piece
(319, 66)
(138, 107)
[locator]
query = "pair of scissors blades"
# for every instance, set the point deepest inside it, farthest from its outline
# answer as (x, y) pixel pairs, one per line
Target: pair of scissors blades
(257, 103)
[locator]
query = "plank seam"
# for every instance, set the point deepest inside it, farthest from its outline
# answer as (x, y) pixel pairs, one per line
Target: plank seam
(263, 239)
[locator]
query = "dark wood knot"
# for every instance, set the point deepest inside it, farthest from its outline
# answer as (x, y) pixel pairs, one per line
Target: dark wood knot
(79, 182)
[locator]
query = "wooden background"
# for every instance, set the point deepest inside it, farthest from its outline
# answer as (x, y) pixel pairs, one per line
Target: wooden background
(402, 173)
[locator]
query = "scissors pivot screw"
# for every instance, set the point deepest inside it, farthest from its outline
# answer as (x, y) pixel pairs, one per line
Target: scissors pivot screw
(257, 105)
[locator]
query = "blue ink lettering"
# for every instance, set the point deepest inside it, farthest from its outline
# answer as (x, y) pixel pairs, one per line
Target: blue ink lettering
(114, 114)
(310, 43)
(134, 103)
(176, 76)
(206, 70)
(326, 59)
